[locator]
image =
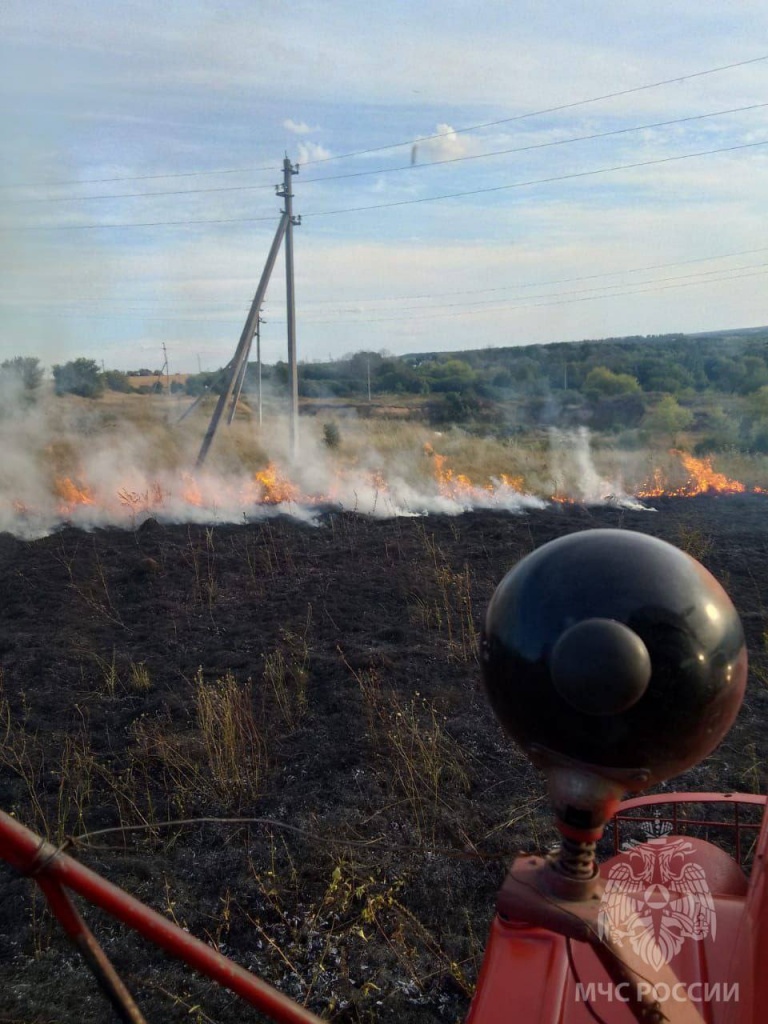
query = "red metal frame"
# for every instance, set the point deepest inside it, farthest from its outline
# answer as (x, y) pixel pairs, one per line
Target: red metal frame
(33, 856)
(677, 821)
(55, 872)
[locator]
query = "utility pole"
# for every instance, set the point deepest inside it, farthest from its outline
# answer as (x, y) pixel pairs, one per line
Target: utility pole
(167, 370)
(259, 322)
(369, 380)
(246, 338)
(243, 372)
(565, 376)
(293, 373)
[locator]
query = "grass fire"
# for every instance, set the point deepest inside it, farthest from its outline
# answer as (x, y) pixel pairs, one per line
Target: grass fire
(294, 644)
(354, 365)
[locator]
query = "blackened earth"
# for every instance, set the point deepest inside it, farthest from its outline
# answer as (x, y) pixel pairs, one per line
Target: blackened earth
(102, 637)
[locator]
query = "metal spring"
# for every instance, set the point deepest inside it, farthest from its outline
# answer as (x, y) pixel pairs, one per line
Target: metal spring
(576, 859)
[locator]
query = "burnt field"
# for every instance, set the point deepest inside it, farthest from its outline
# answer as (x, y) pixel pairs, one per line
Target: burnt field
(321, 677)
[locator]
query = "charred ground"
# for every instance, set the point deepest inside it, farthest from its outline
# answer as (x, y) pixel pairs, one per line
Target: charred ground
(126, 658)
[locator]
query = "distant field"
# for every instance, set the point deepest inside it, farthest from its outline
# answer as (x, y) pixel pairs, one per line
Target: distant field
(152, 379)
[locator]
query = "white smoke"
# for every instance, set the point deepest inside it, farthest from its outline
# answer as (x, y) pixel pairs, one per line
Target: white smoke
(116, 463)
(70, 460)
(575, 475)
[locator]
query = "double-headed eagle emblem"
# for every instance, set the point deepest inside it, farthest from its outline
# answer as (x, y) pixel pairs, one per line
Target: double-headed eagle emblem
(655, 898)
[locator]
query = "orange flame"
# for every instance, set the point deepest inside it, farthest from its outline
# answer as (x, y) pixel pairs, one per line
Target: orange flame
(272, 486)
(457, 486)
(276, 488)
(702, 479)
(72, 494)
(191, 492)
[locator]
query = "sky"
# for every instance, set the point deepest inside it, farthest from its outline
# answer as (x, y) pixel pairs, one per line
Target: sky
(191, 96)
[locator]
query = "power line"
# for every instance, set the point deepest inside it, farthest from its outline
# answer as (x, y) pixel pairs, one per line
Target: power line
(428, 310)
(534, 146)
(562, 280)
(538, 181)
(400, 202)
(400, 167)
(438, 295)
(665, 286)
(540, 305)
(138, 224)
(397, 145)
(429, 313)
(545, 110)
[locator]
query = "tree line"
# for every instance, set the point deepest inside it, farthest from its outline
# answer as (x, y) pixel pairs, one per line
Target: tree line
(662, 384)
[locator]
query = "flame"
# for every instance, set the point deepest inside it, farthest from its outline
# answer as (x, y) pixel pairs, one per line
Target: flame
(514, 483)
(457, 486)
(191, 492)
(71, 494)
(275, 487)
(702, 479)
(351, 486)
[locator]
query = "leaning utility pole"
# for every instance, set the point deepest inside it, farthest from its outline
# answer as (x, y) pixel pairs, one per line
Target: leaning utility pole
(246, 337)
(293, 373)
(259, 322)
(243, 371)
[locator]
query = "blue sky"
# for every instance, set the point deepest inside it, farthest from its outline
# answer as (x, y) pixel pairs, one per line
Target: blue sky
(98, 90)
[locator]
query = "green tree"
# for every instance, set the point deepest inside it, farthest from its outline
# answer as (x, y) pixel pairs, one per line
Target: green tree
(757, 403)
(116, 380)
(668, 417)
(450, 375)
(79, 377)
(604, 383)
(22, 370)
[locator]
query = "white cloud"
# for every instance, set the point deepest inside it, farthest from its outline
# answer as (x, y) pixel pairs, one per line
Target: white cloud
(447, 144)
(300, 127)
(312, 151)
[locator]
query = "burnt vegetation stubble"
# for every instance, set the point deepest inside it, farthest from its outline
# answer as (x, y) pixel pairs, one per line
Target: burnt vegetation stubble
(325, 677)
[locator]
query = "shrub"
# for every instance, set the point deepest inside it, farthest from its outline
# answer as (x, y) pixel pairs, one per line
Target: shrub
(116, 380)
(23, 370)
(669, 417)
(79, 377)
(331, 435)
(604, 383)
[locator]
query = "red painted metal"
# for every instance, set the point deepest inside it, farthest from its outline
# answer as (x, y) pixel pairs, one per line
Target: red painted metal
(83, 939)
(526, 973)
(749, 960)
(31, 855)
(735, 800)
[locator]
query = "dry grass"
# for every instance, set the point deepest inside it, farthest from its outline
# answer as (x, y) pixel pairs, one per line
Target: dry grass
(234, 747)
(694, 541)
(286, 674)
(392, 447)
(446, 604)
(138, 678)
(419, 761)
(312, 942)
